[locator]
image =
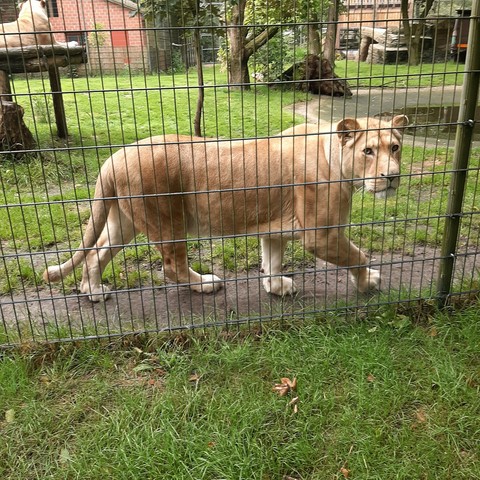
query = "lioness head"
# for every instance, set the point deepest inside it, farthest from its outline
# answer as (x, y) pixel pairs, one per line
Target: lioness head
(28, 6)
(371, 151)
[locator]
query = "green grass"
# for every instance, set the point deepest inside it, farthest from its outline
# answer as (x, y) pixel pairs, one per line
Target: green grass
(383, 397)
(398, 76)
(105, 112)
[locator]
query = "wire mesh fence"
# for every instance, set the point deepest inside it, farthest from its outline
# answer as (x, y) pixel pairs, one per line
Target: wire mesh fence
(211, 214)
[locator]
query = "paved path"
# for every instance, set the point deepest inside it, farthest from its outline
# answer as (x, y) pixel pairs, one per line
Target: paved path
(373, 102)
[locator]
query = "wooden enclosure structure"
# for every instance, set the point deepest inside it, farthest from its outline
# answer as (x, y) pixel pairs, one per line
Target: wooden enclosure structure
(14, 134)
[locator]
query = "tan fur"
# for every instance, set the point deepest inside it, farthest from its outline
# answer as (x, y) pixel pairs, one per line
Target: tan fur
(27, 29)
(295, 186)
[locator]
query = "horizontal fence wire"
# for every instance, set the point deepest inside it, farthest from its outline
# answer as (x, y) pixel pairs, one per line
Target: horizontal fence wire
(218, 203)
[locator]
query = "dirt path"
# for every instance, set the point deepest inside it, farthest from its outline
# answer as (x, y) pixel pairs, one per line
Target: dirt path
(242, 299)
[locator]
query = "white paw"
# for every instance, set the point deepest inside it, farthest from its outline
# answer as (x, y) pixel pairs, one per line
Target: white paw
(279, 286)
(73, 43)
(97, 294)
(209, 284)
(368, 279)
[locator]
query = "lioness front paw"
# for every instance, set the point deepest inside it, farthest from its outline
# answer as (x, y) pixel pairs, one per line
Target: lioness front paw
(368, 279)
(279, 285)
(209, 284)
(97, 294)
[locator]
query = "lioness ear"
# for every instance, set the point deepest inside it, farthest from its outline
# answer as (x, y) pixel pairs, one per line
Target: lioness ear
(400, 121)
(346, 129)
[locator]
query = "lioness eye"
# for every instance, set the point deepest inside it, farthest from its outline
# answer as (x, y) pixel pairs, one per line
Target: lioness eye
(368, 151)
(395, 148)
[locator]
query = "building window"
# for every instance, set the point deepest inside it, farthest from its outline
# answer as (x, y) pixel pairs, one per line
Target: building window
(79, 37)
(52, 8)
(119, 38)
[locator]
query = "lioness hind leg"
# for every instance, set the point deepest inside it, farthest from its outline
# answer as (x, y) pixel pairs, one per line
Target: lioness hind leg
(117, 233)
(175, 264)
(273, 248)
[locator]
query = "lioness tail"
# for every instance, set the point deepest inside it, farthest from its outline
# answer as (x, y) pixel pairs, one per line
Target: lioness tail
(104, 193)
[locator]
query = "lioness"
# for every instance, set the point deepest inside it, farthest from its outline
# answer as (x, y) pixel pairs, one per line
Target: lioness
(31, 28)
(295, 186)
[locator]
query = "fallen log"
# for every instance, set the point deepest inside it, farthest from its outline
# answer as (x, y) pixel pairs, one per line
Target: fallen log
(315, 74)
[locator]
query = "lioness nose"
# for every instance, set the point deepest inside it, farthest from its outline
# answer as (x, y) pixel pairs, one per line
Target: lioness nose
(390, 178)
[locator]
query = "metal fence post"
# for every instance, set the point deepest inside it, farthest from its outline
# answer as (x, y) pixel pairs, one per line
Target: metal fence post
(463, 143)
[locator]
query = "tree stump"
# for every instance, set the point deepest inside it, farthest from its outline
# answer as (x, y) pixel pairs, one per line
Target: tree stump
(14, 134)
(315, 74)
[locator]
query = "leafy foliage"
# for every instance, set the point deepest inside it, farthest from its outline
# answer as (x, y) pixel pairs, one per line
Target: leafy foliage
(280, 52)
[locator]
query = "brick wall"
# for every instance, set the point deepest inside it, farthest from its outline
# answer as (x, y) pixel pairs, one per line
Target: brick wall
(8, 11)
(115, 38)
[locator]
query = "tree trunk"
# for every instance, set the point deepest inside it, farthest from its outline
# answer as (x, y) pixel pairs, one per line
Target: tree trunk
(238, 75)
(331, 35)
(201, 92)
(242, 46)
(313, 37)
(412, 31)
(363, 49)
(414, 49)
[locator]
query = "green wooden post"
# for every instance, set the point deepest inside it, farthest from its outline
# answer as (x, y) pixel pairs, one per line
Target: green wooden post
(463, 143)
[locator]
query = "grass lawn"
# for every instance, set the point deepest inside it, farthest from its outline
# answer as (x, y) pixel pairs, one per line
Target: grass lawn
(379, 397)
(44, 201)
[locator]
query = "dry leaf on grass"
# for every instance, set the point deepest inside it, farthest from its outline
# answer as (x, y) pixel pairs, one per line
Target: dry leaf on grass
(421, 418)
(194, 377)
(345, 472)
(282, 390)
(285, 387)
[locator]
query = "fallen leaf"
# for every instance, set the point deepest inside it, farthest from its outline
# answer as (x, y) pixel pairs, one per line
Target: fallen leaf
(345, 472)
(194, 377)
(292, 384)
(421, 415)
(10, 415)
(281, 389)
(295, 408)
(370, 378)
(293, 401)
(286, 386)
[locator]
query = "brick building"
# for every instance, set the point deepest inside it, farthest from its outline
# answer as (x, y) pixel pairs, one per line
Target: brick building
(113, 34)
